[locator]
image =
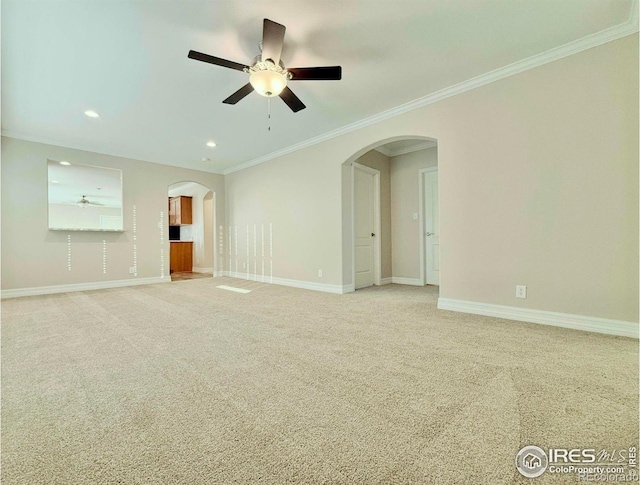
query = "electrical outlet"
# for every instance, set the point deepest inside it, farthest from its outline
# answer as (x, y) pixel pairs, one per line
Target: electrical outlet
(319, 273)
(415, 216)
(132, 269)
(521, 291)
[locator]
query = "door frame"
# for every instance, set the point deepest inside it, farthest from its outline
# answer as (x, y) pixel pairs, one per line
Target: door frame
(422, 194)
(377, 252)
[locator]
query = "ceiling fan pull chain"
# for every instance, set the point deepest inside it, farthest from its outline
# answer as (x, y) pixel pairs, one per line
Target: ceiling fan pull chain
(268, 114)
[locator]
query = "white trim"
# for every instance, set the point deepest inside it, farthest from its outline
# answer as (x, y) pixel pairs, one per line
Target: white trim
(377, 225)
(348, 288)
(414, 148)
(384, 150)
(398, 280)
(403, 151)
(99, 285)
(593, 40)
(307, 285)
(386, 281)
(565, 320)
(197, 269)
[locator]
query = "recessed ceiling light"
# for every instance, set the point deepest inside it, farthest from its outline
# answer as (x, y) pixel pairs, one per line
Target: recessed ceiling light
(206, 159)
(55, 182)
(211, 144)
(91, 114)
(64, 163)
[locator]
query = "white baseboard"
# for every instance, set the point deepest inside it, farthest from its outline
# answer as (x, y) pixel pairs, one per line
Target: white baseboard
(565, 320)
(406, 281)
(386, 281)
(202, 270)
(307, 285)
(99, 285)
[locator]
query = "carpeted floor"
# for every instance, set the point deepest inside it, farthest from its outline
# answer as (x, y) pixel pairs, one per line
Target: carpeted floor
(186, 383)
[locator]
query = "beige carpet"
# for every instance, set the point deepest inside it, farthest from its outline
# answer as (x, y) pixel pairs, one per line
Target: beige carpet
(189, 384)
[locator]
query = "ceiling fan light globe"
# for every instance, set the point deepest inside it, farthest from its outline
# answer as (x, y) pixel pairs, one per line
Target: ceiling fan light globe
(268, 83)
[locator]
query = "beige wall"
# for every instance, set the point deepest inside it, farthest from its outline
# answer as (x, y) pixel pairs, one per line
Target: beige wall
(405, 201)
(33, 256)
(301, 200)
(538, 181)
(209, 232)
(381, 162)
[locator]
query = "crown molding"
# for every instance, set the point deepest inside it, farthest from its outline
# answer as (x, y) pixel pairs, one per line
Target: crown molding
(593, 40)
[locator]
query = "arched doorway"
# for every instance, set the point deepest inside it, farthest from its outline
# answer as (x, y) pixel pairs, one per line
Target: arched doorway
(191, 214)
(396, 168)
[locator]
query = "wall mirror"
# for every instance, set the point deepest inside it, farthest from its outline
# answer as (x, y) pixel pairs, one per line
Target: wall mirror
(84, 198)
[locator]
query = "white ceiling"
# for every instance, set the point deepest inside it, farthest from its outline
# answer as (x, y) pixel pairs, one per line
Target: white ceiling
(127, 60)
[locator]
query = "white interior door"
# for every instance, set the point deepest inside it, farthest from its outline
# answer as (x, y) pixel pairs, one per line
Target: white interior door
(364, 226)
(432, 227)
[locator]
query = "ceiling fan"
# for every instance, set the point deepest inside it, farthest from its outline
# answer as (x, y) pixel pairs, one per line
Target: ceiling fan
(268, 75)
(84, 202)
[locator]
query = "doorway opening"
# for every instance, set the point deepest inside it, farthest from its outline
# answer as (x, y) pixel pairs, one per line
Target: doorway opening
(191, 218)
(391, 214)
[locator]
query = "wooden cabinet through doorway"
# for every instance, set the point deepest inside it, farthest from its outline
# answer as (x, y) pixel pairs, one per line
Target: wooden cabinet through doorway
(181, 256)
(180, 210)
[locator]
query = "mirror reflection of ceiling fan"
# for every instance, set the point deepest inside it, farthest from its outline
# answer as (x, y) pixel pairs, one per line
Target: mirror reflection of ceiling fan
(84, 202)
(268, 76)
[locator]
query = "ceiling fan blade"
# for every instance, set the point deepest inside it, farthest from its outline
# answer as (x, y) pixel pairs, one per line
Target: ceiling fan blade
(239, 94)
(328, 73)
(199, 56)
(292, 100)
(272, 40)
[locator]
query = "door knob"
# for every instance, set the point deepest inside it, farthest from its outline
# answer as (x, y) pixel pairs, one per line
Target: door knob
(429, 234)
(373, 235)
